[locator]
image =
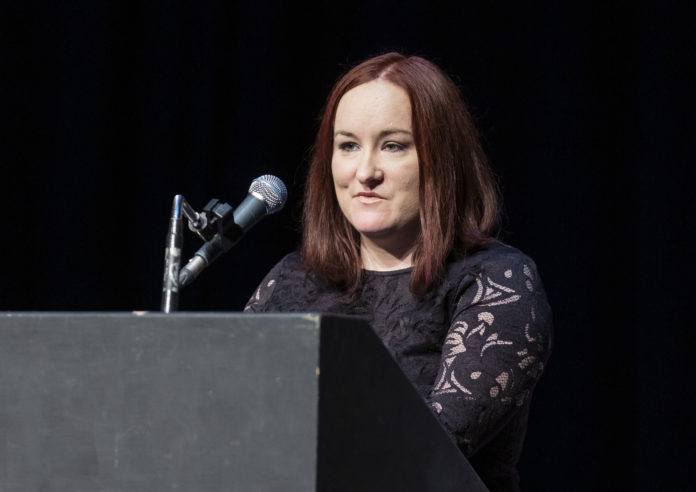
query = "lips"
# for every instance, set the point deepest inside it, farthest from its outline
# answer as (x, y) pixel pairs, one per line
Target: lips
(369, 197)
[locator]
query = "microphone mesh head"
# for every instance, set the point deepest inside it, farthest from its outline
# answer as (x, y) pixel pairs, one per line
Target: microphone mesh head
(271, 190)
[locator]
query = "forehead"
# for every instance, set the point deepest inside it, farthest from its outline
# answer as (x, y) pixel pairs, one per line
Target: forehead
(375, 103)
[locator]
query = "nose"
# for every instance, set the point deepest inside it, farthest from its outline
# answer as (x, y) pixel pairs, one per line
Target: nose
(369, 171)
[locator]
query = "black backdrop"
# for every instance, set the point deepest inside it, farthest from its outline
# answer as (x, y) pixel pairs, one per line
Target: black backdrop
(109, 109)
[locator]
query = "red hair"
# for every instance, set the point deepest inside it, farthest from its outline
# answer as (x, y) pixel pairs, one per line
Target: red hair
(458, 195)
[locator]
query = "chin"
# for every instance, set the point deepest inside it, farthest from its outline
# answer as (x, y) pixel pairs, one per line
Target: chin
(377, 230)
(374, 231)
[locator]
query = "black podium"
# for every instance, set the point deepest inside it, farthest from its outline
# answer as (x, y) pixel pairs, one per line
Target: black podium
(212, 402)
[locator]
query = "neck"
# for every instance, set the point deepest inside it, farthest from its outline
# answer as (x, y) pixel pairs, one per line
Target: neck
(383, 257)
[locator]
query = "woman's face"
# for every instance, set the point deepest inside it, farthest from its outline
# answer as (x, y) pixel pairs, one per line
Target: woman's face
(375, 163)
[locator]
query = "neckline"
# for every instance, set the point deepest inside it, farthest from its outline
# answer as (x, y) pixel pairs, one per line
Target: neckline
(382, 273)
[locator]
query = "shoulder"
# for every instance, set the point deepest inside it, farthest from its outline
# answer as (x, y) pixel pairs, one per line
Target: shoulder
(500, 279)
(494, 258)
(497, 265)
(287, 268)
(290, 262)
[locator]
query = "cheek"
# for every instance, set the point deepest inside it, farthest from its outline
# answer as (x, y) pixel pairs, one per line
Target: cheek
(339, 173)
(411, 183)
(412, 191)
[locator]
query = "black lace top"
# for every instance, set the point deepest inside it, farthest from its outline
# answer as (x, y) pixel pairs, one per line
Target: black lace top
(474, 347)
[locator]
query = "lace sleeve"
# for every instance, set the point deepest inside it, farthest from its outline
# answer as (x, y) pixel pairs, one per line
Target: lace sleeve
(495, 350)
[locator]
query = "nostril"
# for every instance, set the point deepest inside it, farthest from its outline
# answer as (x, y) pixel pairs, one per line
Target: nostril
(372, 181)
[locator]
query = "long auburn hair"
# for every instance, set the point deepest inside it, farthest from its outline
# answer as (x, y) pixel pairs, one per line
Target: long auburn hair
(458, 194)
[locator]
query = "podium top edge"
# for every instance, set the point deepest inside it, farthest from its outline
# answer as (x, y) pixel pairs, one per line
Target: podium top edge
(200, 314)
(308, 316)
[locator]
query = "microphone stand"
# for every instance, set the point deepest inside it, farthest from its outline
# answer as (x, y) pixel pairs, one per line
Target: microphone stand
(172, 258)
(173, 249)
(205, 224)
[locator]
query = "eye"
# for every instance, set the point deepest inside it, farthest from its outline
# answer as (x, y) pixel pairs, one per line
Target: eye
(348, 146)
(394, 147)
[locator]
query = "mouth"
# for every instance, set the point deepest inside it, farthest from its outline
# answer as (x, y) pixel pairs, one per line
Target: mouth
(368, 197)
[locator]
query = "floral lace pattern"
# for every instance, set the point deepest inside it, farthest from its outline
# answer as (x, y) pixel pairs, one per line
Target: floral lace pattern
(474, 347)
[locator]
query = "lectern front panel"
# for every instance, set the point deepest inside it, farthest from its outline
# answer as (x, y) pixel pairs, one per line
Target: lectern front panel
(188, 402)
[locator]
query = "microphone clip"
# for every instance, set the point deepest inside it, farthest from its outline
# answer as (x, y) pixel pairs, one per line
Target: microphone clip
(212, 220)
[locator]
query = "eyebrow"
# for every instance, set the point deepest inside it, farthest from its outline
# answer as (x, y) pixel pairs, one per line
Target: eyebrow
(382, 134)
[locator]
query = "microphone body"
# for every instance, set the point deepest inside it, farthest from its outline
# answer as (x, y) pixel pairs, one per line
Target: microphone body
(267, 195)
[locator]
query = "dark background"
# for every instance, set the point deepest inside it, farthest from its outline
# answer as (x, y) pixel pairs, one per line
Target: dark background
(109, 109)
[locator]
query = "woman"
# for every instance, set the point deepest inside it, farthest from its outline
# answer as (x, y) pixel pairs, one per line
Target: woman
(399, 210)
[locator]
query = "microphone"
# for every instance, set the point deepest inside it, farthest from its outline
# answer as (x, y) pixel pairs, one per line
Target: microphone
(267, 195)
